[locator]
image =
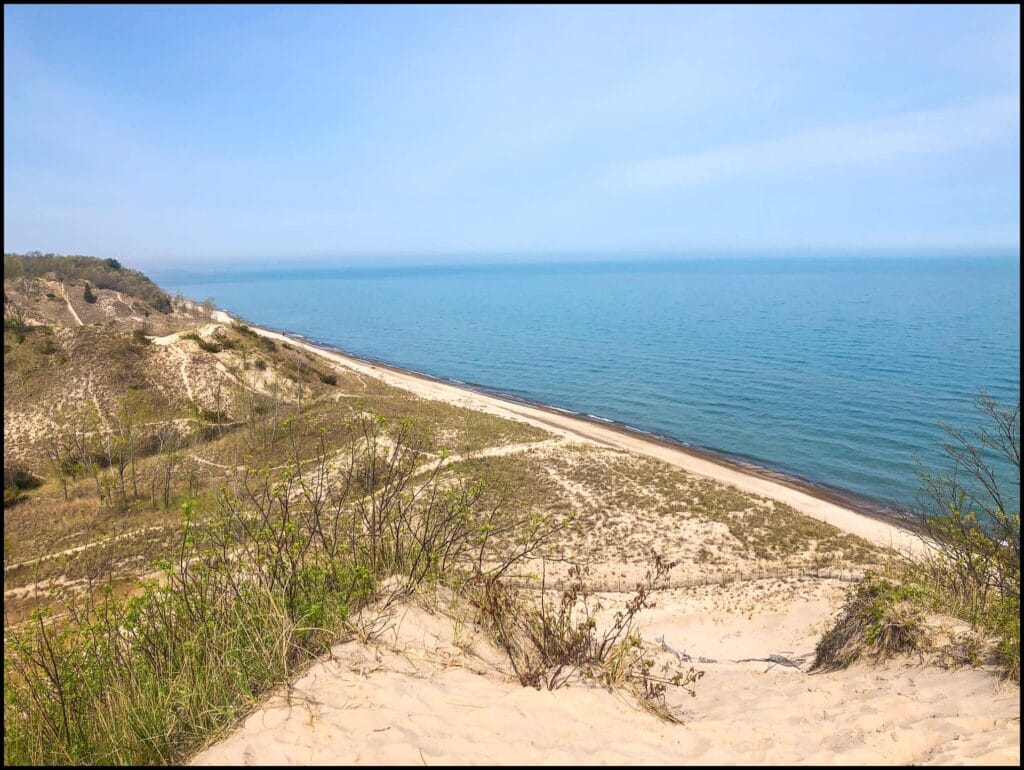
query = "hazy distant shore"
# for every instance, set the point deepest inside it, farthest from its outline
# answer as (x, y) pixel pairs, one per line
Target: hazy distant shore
(845, 510)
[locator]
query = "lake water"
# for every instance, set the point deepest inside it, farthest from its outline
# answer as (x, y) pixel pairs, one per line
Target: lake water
(834, 370)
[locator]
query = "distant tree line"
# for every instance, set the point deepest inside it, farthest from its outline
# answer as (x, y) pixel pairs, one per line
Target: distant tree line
(100, 273)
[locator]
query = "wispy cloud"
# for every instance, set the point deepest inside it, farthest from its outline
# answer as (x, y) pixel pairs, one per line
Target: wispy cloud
(926, 132)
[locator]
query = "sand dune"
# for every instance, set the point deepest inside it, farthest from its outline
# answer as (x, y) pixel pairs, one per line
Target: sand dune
(432, 692)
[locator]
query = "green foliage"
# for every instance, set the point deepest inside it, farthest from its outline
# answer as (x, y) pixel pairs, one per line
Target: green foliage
(101, 273)
(880, 617)
(16, 327)
(87, 295)
(147, 679)
(328, 379)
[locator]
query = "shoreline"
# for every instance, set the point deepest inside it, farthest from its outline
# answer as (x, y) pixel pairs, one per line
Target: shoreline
(844, 510)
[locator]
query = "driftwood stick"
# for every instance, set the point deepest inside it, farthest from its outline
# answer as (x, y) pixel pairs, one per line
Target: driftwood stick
(780, 660)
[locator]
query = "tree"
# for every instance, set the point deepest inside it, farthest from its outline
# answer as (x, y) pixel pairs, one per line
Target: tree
(973, 514)
(169, 442)
(88, 296)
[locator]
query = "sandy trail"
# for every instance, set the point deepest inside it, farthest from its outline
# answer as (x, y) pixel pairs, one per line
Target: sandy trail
(70, 308)
(183, 362)
(84, 547)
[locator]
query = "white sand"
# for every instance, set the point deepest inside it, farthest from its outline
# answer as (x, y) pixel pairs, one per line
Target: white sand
(429, 694)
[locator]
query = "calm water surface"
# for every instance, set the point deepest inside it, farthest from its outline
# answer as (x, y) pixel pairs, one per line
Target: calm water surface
(833, 370)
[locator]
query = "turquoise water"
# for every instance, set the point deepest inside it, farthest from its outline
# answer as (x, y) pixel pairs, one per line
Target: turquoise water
(833, 370)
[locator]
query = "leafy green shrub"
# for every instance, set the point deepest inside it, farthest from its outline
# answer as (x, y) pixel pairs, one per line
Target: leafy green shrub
(973, 527)
(880, 618)
(328, 379)
(87, 295)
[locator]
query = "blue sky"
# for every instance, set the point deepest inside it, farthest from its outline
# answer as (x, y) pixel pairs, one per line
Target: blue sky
(181, 135)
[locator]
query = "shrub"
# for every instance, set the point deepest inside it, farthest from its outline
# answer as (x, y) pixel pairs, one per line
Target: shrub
(549, 645)
(87, 295)
(140, 337)
(208, 346)
(211, 415)
(226, 343)
(241, 328)
(17, 481)
(13, 324)
(328, 379)
(880, 618)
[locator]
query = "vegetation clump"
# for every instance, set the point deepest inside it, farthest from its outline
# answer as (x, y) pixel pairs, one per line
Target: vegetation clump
(970, 569)
(208, 345)
(17, 481)
(549, 645)
(880, 618)
(101, 273)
